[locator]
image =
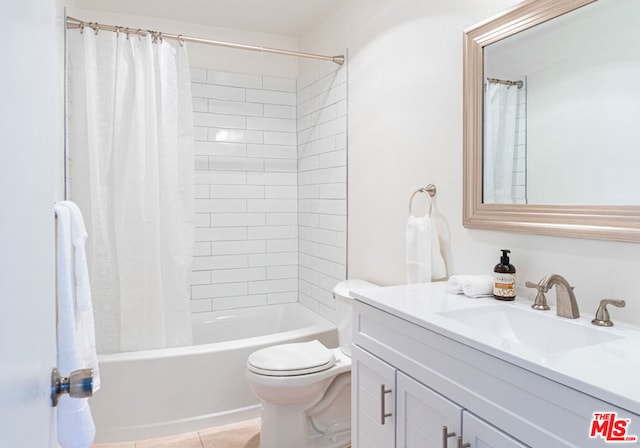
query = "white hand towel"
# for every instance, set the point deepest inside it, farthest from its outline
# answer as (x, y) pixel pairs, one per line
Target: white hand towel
(424, 260)
(75, 325)
(438, 266)
(471, 285)
(478, 286)
(454, 284)
(84, 306)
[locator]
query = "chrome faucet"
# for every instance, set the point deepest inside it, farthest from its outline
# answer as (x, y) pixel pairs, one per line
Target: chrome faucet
(566, 304)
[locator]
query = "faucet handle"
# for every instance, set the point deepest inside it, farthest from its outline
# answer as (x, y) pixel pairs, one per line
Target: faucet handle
(537, 286)
(602, 314)
(540, 302)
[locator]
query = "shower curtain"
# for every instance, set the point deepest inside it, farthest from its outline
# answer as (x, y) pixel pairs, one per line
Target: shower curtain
(131, 171)
(499, 142)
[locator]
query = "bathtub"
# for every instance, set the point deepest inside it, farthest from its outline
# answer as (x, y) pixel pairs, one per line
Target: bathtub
(155, 393)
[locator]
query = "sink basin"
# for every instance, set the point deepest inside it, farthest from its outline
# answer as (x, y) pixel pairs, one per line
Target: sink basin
(534, 330)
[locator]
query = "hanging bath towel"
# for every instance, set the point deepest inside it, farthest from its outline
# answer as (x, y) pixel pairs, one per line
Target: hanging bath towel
(76, 338)
(424, 260)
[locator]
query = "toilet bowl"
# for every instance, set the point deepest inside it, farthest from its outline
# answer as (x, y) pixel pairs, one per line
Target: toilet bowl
(305, 388)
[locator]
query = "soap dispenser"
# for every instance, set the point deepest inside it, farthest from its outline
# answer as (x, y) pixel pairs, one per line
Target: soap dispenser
(504, 278)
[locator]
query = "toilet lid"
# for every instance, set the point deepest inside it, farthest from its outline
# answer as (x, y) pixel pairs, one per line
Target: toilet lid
(291, 359)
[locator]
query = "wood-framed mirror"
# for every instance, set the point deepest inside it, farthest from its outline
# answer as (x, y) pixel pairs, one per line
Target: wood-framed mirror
(570, 181)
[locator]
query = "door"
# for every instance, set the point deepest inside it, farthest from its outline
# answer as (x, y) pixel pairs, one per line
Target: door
(480, 434)
(29, 129)
(422, 414)
(373, 413)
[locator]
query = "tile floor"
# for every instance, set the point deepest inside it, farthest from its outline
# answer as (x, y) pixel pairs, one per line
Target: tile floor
(238, 435)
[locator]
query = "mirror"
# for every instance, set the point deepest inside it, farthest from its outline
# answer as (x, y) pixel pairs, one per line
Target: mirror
(552, 120)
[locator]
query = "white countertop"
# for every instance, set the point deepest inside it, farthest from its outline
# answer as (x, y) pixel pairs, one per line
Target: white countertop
(608, 371)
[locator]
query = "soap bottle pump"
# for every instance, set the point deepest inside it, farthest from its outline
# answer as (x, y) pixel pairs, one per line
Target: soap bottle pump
(504, 278)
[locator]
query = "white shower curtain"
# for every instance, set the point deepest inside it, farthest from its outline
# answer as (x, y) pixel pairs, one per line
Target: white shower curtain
(131, 171)
(499, 142)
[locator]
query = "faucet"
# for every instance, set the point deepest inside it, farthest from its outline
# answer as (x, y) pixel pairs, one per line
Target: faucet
(602, 315)
(566, 304)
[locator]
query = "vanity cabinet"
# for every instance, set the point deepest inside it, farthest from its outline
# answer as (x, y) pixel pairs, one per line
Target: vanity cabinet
(424, 381)
(391, 409)
(422, 414)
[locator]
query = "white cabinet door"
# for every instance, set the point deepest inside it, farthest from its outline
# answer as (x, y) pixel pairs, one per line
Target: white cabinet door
(480, 434)
(28, 115)
(373, 414)
(422, 414)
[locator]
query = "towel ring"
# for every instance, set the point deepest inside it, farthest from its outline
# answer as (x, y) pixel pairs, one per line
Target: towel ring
(430, 191)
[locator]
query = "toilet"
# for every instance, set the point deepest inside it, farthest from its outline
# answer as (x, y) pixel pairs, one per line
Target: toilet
(305, 388)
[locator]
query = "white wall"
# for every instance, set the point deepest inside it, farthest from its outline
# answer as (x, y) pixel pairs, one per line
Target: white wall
(405, 130)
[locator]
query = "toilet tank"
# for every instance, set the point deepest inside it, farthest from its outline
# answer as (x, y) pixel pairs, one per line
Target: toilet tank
(344, 310)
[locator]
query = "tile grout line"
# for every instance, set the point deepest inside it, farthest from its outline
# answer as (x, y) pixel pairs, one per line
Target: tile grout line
(200, 438)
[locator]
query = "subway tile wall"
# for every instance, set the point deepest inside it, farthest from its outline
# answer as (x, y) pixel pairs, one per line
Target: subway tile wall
(246, 250)
(519, 184)
(322, 185)
(270, 189)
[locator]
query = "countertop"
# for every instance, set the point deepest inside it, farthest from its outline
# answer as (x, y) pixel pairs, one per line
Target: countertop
(608, 371)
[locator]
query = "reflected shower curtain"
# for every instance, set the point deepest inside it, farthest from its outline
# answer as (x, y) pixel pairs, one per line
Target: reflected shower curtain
(499, 142)
(131, 171)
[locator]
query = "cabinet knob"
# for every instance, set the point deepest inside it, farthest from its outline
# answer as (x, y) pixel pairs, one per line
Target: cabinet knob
(459, 443)
(445, 436)
(383, 412)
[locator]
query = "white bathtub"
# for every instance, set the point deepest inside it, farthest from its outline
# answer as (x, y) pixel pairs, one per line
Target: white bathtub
(160, 392)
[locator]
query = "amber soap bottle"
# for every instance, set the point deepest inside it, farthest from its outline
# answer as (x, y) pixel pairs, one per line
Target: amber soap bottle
(504, 278)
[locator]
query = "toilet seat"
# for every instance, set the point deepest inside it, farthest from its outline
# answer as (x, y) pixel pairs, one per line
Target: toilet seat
(295, 359)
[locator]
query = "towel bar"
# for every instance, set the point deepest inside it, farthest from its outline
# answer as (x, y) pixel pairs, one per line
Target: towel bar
(429, 190)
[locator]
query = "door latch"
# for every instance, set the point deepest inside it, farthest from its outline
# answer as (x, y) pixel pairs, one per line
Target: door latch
(79, 384)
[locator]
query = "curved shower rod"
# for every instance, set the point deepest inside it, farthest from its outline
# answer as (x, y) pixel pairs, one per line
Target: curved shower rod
(73, 23)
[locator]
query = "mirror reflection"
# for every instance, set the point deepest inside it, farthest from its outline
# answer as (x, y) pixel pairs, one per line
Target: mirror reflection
(562, 110)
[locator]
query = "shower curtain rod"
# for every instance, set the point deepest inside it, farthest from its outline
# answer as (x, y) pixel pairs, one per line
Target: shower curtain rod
(73, 23)
(508, 83)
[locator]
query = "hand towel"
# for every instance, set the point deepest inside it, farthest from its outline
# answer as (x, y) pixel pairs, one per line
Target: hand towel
(478, 286)
(471, 285)
(76, 339)
(454, 284)
(424, 260)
